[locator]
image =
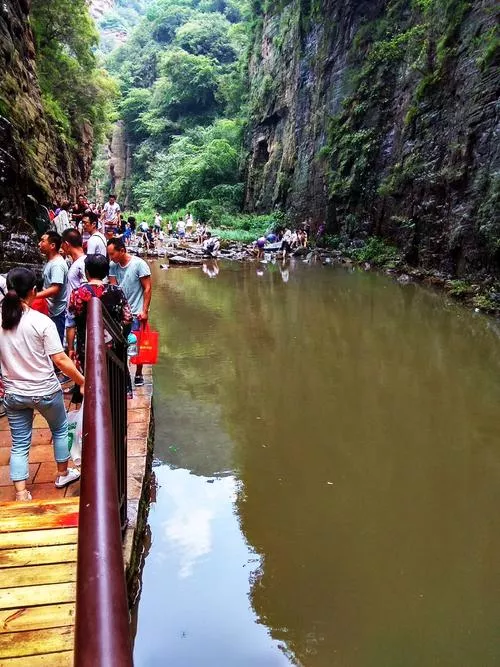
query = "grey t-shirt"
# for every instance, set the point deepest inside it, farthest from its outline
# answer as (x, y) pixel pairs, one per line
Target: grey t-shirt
(56, 273)
(128, 278)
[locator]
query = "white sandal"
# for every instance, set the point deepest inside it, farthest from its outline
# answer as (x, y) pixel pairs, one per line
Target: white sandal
(23, 496)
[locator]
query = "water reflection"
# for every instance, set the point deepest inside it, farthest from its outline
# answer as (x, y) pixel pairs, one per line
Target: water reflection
(359, 418)
(211, 268)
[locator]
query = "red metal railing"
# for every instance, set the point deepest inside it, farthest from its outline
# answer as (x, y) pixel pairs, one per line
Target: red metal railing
(102, 635)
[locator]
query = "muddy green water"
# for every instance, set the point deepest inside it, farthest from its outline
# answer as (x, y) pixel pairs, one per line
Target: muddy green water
(328, 474)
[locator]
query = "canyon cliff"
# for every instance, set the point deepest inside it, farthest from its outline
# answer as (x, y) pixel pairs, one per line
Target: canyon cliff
(36, 164)
(381, 117)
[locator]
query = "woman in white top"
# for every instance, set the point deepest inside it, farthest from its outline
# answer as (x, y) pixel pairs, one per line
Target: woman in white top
(29, 343)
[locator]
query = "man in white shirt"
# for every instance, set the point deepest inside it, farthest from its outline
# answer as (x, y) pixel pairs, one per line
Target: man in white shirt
(111, 217)
(96, 245)
(181, 228)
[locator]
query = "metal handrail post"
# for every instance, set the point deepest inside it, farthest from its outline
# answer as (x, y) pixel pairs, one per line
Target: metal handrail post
(102, 634)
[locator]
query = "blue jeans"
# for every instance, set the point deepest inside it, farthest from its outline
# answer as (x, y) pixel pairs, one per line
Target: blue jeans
(60, 322)
(20, 415)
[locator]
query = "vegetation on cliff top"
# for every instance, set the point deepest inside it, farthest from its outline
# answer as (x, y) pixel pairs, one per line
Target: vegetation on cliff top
(75, 89)
(182, 78)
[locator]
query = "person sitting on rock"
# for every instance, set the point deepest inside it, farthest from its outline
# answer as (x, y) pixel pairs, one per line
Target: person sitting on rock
(211, 245)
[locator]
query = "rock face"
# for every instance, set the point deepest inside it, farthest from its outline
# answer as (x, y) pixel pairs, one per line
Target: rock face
(35, 165)
(381, 117)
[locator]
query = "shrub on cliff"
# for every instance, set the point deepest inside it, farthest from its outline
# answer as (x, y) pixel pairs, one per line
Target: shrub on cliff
(74, 89)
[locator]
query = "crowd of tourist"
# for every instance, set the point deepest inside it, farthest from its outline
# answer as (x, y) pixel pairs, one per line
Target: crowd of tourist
(287, 239)
(43, 323)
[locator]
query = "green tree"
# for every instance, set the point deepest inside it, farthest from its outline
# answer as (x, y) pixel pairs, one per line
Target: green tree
(194, 164)
(188, 86)
(207, 35)
(74, 89)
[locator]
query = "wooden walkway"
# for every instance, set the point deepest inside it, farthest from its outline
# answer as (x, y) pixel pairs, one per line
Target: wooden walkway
(37, 582)
(38, 544)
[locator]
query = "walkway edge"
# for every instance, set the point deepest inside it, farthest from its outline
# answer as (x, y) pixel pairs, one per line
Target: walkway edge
(140, 435)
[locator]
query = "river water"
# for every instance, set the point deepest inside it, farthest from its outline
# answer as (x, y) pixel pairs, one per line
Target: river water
(328, 470)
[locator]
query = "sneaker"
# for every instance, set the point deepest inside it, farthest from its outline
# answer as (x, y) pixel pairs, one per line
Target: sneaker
(71, 476)
(139, 381)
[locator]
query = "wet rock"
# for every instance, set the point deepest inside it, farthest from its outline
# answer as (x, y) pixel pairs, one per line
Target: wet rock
(300, 252)
(182, 260)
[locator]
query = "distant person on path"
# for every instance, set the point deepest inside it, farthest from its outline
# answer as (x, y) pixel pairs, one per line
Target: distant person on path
(29, 345)
(96, 245)
(127, 234)
(133, 275)
(157, 223)
(111, 215)
(55, 280)
(201, 232)
(61, 221)
(79, 209)
(321, 232)
(189, 223)
(133, 223)
(144, 233)
(181, 228)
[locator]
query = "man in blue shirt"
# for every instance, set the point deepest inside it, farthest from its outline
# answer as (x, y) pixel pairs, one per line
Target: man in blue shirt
(133, 275)
(55, 280)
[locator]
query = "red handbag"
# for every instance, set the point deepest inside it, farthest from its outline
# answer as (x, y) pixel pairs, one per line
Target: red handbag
(148, 345)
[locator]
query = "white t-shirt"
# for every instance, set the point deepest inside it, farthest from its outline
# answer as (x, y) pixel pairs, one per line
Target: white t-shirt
(25, 355)
(61, 221)
(76, 274)
(96, 245)
(111, 211)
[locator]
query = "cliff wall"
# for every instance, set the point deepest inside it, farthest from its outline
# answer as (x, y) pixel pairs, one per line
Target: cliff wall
(381, 117)
(36, 166)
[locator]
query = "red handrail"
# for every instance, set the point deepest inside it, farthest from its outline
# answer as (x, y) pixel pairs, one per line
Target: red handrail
(102, 633)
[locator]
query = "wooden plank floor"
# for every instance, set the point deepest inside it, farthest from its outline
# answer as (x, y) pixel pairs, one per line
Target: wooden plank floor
(38, 544)
(37, 582)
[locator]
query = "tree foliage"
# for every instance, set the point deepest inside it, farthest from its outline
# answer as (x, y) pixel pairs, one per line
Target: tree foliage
(182, 77)
(74, 88)
(195, 163)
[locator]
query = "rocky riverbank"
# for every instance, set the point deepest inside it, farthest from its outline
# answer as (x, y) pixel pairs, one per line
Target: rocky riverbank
(481, 296)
